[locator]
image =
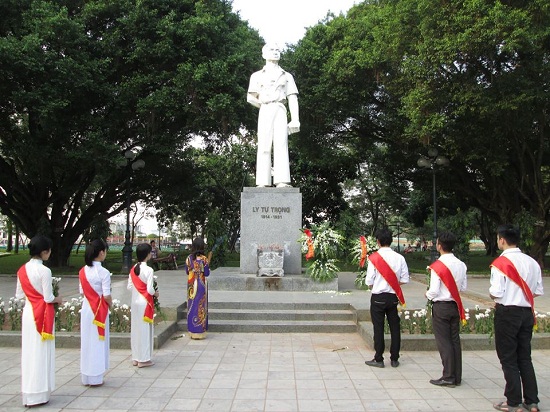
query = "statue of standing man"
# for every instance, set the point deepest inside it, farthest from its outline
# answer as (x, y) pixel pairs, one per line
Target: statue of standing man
(269, 89)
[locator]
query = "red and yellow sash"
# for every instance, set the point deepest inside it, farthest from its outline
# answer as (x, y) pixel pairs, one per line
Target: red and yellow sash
(449, 281)
(44, 313)
(141, 287)
(507, 268)
(363, 257)
(388, 274)
(310, 249)
(99, 306)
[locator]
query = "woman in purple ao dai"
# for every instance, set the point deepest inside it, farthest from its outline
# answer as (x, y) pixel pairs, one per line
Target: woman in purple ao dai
(197, 270)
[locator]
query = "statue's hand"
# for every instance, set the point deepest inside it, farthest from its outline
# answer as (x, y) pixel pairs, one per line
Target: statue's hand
(293, 127)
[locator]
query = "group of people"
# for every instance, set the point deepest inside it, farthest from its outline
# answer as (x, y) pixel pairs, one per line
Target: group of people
(34, 284)
(516, 279)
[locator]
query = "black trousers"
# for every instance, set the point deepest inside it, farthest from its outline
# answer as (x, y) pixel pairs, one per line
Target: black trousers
(513, 332)
(446, 328)
(384, 305)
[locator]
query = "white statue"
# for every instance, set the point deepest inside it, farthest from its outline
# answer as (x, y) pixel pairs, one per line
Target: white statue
(269, 89)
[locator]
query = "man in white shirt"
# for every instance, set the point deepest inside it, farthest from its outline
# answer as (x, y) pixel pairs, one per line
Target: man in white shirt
(516, 280)
(447, 279)
(269, 90)
(386, 271)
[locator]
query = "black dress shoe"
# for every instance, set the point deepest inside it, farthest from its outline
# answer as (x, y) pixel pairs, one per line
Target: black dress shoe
(442, 382)
(374, 363)
(394, 363)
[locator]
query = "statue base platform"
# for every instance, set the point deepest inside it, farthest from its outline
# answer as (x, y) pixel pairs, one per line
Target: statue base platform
(271, 219)
(230, 279)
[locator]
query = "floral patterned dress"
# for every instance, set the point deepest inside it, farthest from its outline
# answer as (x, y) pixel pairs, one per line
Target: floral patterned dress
(197, 295)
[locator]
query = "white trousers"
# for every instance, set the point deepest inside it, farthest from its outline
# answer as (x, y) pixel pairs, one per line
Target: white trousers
(272, 131)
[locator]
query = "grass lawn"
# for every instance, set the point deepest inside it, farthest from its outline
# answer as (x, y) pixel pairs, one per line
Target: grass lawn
(477, 262)
(9, 264)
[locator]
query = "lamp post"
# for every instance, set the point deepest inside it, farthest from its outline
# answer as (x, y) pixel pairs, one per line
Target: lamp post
(430, 162)
(130, 156)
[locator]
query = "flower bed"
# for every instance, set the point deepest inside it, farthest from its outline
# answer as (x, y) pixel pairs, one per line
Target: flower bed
(67, 317)
(479, 321)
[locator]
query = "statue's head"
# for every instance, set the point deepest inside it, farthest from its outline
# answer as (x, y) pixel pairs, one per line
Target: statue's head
(271, 51)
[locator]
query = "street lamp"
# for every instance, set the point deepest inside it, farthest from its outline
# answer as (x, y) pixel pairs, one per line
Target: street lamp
(430, 162)
(130, 156)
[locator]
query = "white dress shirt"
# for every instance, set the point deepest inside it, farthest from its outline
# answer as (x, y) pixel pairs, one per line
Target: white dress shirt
(507, 292)
(398, 264)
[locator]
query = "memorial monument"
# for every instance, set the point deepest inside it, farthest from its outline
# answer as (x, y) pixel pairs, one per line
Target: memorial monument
(271, 217)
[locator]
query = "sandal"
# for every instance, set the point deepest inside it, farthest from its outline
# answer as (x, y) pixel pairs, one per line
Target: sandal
(531, 407)
(504, 407)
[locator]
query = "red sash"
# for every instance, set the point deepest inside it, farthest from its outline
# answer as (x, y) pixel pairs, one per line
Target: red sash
(507, 268)
(44, 313)
(388, 274)
(141, 287)
(448, 280)
(99, 306)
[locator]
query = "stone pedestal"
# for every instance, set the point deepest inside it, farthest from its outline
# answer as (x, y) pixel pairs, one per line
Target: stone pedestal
(271, 219)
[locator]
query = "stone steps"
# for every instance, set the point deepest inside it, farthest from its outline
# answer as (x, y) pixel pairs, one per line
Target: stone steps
(258, 317)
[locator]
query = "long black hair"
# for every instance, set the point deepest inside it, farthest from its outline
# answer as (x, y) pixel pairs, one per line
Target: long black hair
(93, 249)
(39, 244)
(142, 251)
(198, 246)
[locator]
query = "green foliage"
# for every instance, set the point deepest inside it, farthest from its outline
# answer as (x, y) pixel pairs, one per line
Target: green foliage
(83, 82)
(216, 233)
(468, 78)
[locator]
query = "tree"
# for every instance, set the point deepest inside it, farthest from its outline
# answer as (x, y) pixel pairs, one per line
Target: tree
(469, 78)
(204, 191)
(81, 82)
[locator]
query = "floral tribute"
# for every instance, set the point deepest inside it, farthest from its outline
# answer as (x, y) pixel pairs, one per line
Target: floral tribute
(321, 245)
(361, 249)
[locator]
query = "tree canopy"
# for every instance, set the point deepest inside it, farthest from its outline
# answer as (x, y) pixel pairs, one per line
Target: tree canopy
(81, 82)
(470, 79)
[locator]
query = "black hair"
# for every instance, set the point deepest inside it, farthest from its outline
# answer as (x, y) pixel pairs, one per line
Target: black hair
(447, 241)
(509, 233)
(198, 246)
(142, 251)
(384, 236)
(153, 241)
(93, 249)
(39, 244)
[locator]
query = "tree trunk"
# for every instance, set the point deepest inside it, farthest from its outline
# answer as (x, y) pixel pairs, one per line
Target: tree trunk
(10, 236)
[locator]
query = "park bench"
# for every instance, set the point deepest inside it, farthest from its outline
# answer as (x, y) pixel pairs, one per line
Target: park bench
(167, 263)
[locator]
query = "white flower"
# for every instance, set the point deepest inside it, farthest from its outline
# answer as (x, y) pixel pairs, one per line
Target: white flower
(467, 310)
(125, 307)
(72, 308)
(407, 317)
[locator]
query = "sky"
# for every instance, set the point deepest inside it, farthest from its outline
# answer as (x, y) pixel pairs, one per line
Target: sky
(284, 21)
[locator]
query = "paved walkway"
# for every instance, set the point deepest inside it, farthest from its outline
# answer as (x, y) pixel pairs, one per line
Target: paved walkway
(271, 372)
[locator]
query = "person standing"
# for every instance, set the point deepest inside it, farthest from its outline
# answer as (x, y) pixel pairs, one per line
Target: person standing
(34, 283)
(448, 278)
(197, 269)
(516, 280)
(141, 282)
(386, 272)
(154, 255)
(95, 285)
(269, 90)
